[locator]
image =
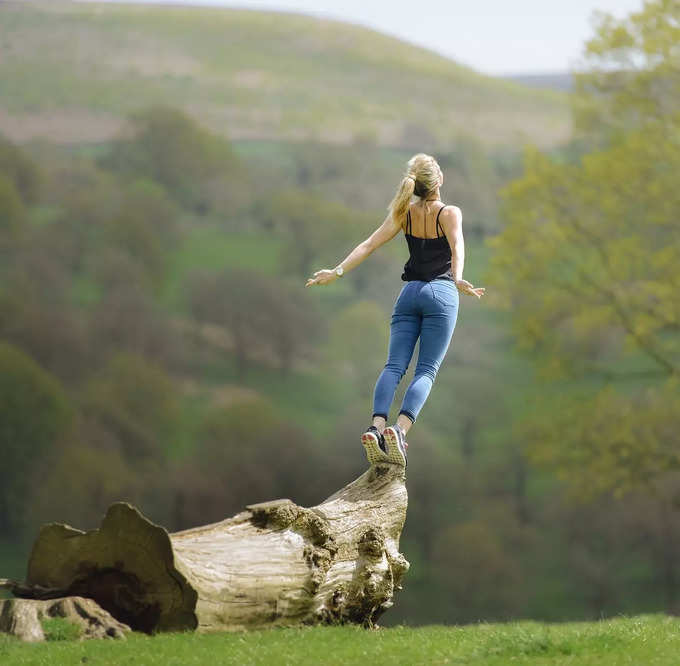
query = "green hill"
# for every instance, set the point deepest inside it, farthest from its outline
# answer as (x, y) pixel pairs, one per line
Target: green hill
(70, 72)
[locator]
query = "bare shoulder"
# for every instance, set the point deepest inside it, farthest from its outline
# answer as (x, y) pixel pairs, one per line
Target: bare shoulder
(452, 211)
(451, 216)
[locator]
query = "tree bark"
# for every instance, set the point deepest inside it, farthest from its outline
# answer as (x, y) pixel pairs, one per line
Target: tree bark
(23, 618)
(275, 563)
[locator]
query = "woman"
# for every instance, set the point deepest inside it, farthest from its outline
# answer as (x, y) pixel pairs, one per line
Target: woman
(427, 306)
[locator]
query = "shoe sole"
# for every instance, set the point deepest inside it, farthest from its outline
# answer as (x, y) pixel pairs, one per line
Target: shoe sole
(394, 453)
(373, 451)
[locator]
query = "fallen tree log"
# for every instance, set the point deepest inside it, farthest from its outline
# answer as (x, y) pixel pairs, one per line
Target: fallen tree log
(23, 618)
(275, 563)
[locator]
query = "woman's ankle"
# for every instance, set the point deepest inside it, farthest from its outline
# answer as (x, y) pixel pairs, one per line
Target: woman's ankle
(404, 423)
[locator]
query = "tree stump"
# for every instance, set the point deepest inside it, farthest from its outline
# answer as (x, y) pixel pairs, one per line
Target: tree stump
(275, 563)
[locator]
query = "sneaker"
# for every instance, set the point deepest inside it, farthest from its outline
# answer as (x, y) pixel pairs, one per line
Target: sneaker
(396, 445)
(374, 443)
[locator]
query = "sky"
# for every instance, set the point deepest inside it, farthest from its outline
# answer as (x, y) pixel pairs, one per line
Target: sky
(496, 37)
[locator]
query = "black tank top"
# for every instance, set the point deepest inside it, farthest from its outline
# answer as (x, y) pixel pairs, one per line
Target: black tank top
(430, 258)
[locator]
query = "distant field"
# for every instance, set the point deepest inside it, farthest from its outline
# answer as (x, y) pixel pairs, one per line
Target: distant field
(647, 639)
(70, 72)
(212, 249)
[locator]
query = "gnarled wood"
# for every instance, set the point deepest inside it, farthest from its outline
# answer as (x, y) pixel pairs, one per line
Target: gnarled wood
(22, 618)
(275, 563)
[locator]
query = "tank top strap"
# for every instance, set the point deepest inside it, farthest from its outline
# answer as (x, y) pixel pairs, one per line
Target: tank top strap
(408, 223)
(438, 225)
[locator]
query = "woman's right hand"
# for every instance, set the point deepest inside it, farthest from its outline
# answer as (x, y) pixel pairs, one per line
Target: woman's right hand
(467, 288)
(324, 276)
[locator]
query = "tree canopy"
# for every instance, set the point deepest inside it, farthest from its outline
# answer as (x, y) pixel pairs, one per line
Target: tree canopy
(592, 246)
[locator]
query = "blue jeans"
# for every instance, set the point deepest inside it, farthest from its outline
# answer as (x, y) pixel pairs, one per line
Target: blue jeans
(423, 309)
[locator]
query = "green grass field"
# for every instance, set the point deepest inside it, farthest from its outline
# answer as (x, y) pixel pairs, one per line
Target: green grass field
(644, 640)
(250, 75)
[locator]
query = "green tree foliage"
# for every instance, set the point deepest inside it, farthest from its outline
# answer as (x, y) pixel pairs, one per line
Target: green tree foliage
(136, 401)
(81, 481)
(127, 319)
(197, 167)
(632, 77)
(104, 221)
(19, 169)
(53, 335)
(357, 346)
(314, 229)
(12, 211)
(476, 573)
(35, 415)
(263, 317)
(245, 453)
(471, 172)
(144, 228)
(592, 248)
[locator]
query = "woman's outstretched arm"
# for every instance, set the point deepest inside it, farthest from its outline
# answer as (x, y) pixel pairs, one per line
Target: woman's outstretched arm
(452, 223)
(385, 232)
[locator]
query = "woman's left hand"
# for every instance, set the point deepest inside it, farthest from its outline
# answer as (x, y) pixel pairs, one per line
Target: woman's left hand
(467, 288)
(324, 276)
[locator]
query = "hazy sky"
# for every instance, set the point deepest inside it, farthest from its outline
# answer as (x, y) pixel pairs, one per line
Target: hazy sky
(492, 36)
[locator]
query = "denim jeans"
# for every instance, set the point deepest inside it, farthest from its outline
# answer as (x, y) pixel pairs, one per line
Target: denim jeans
(423, 309)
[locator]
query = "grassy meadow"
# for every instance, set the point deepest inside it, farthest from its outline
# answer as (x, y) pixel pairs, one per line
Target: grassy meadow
(249, 74)
(652, 640)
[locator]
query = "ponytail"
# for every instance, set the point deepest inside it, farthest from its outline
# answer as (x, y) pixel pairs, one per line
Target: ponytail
(399, 204)
(423, 175)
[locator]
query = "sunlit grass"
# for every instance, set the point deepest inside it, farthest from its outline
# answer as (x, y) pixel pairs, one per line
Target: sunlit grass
(257, 73)
(647, 639)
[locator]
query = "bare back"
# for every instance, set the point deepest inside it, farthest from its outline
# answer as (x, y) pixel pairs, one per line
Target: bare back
(422, 219)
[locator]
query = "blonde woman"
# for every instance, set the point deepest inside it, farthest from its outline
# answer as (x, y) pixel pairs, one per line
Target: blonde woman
(427, 306)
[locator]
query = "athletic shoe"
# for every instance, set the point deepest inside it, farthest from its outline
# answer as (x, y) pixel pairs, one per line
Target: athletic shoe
(396, 445)
(374, 443)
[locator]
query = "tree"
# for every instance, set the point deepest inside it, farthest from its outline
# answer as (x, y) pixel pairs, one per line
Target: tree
(136, 401)
(198, 168)
(12, 211)
(20, 170)
(226, 464)
(126, 319)
(478, 577)
(314, 229)
(357, 344)
(266, 319)
(144, 227)
(632, 78)
(592, 248)
(35, 414)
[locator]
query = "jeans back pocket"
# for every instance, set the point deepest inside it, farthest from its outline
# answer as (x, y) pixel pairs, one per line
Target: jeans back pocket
(445, 291)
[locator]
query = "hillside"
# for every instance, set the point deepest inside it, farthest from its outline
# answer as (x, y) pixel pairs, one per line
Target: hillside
(72, 71)
(563, 81)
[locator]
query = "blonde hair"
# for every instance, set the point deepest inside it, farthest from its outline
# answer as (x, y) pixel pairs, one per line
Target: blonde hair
(422, 176)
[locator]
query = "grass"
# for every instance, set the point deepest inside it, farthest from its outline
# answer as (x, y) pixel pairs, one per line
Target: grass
(210, 248)
(646, 639)
(253, 74)
(60, 629)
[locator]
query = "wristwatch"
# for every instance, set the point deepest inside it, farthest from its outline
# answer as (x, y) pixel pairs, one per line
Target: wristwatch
(339, 271)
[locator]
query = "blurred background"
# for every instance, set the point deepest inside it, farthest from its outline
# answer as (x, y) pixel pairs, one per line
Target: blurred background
(171, 174)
